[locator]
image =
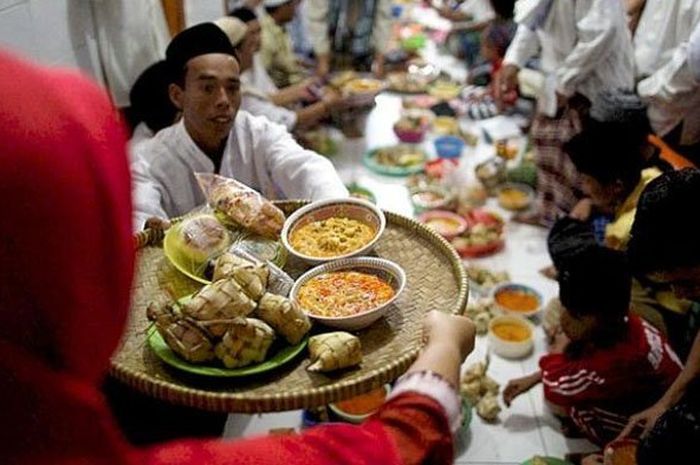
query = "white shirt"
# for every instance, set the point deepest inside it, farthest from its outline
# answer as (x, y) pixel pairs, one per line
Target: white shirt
(131, 36)
(479, 10)
(256, 87)
(585, 47)
(661, 58)
(258, 153)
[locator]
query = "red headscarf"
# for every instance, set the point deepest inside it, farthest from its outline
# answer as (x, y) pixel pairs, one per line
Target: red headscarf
(66, 261)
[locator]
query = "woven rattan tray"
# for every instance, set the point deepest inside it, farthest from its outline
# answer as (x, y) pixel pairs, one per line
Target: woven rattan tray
(435, 280)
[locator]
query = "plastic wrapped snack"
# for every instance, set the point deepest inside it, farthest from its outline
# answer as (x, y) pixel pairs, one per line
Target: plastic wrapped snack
(250, 276)
(246, 341)
(284, 316)
(333, 351)
(198, 238)
(216, 304)
(241, 204)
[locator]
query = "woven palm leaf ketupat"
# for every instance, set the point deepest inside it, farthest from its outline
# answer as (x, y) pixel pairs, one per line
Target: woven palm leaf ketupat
(436, 280)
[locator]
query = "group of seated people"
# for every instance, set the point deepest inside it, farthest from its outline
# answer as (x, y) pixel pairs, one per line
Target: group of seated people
(624, 357)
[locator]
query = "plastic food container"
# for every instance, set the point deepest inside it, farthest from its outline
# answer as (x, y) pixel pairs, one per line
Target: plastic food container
(449, 146)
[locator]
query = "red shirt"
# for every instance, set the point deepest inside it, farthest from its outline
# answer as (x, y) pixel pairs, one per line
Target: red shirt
(607, 385)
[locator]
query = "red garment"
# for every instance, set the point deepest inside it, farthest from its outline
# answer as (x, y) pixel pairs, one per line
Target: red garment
(603, 387)
(67, 261)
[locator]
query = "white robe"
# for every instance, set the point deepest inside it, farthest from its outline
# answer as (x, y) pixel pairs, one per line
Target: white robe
(256, 86)
(258, 153)
(131, 36)
(666, 82)
(586, 47)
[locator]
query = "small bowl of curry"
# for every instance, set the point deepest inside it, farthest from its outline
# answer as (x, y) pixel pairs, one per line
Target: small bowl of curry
(515, 196)
(359, 408)
(333, 229)
(349, 294)
(517, 299)
(511, 336)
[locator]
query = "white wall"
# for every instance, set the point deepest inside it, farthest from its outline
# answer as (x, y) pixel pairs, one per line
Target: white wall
(53, 32)
(61, 32)
(200, 11)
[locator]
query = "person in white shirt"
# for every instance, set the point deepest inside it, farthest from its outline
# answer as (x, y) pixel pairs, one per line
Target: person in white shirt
(130, 35)
(349, 34)
(260, 95)
(585, 49)
(665, 82)
(213, 136)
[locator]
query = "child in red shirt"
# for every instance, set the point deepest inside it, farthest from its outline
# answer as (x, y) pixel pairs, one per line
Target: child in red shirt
(606, 364)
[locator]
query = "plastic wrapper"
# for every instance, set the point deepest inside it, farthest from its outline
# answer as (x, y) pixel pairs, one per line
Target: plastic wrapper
(241, 205)
(195, 240)
(278, 282)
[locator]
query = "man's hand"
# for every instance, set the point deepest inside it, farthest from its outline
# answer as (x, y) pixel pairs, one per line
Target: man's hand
(157, 223)
(645, 419)
(582, 210)
(508, 78)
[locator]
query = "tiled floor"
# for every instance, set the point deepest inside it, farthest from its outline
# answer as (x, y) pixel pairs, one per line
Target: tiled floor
(525, 429)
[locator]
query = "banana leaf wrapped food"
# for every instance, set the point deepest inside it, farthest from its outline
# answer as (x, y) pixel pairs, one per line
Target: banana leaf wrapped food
(284, 316)
(216, 304)
(252, 277)
(333, 351)
(246, 341)
(241, 204)
(182, 335)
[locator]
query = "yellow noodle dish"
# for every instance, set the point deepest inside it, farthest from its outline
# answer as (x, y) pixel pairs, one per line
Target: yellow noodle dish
(332, 237)
(343, 293)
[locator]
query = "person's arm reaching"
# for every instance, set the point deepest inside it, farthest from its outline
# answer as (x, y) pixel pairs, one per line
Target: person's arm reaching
(411, 428)
(691, 372)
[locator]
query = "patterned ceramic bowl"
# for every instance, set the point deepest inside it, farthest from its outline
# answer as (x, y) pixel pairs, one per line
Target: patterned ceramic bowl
(351, 208)
(387, 271)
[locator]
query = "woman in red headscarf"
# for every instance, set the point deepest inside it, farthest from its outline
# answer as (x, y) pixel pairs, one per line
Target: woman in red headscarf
(67, 262)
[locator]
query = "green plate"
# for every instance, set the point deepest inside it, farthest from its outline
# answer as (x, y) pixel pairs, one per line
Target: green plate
(549, 460)
(361, 192)
(259, 247)
(389, 170)
(279, 354)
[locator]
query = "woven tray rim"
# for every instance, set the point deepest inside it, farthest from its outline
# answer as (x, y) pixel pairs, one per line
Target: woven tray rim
(309, 398)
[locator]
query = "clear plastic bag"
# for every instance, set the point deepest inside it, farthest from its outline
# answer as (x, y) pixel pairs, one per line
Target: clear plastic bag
(241, 205)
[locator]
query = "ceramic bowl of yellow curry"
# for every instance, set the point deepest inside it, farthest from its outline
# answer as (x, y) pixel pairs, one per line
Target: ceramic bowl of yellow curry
(333, 229)
(511, 336)
(349, 294)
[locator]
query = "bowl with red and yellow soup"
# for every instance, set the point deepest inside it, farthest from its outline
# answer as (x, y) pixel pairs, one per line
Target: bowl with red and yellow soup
(349, 294)
(359, 408)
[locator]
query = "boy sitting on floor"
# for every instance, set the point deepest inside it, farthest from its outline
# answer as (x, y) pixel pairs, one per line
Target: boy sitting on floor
(605, 364)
